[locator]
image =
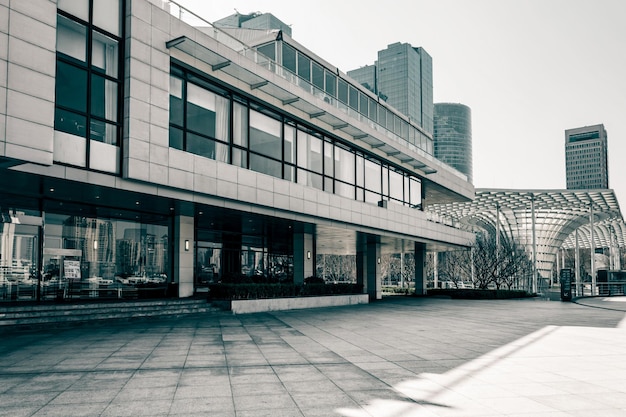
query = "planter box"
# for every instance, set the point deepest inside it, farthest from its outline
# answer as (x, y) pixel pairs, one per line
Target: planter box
(277, 304)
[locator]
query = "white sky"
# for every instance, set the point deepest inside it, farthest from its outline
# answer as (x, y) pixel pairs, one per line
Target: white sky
(528, 69)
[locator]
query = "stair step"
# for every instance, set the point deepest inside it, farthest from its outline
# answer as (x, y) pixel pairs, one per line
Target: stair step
(31, 316)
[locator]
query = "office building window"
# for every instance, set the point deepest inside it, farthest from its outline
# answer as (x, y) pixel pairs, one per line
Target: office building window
(88, 73)
(269, 142)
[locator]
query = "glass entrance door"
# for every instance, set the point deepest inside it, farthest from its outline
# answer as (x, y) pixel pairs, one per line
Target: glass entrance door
(19, 256)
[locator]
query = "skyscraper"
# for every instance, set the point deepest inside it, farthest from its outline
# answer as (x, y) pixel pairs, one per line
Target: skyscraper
(404, 79)
(586, 161)
(453, 136)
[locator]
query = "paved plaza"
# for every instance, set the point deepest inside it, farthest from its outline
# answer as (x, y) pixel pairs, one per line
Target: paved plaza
(400, 357)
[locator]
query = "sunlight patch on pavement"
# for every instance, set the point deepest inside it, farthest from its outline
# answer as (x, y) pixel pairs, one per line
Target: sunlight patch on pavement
(553, 371)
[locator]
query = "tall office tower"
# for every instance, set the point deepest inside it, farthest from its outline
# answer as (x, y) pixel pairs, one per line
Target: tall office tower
(453, 136)
(404, 78)
(366, 76)
(253, 21)
(586, 161)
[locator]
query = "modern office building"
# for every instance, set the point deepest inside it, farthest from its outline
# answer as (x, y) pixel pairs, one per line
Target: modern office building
(404, 79)
(586, 158)
(453, 136)
(137, 149)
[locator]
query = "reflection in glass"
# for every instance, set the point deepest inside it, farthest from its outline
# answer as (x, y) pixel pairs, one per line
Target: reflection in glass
(71, 38)
(104, 54)
(309, 152)
(265, 135)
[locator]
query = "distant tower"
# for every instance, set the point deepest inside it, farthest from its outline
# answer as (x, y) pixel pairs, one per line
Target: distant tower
(403, 77)
(586, 158)
(453, 136)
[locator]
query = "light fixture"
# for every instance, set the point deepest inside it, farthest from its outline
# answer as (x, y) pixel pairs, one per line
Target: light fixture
(186, 245)
(308, 254)
(378, 260)
(95, 244)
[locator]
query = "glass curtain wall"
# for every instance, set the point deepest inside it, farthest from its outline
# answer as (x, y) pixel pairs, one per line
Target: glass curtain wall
(218, 124)
(262, 252)
(93, 257)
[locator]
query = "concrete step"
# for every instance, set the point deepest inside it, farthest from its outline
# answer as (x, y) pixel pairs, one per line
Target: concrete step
(39, 315)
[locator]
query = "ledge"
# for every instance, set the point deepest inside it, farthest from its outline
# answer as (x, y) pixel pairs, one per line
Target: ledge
(292, 303)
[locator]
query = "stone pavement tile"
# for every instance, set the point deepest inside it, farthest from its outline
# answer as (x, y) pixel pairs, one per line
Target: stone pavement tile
(79, 397)
(258, 389)
(18, 411)
(288, 373)
(146, 394)
(47, 382)
(358, 384)
(305, 387)
(274, 412)
(64, 410)
(19, 399)
(204, 377)
(110, 380)
(8, 382)
(208, 404)
(153, 407)
(252, 374)
(571, 402)
(252, 401)
(328, 400)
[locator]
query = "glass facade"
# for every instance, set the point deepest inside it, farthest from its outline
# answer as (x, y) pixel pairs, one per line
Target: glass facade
(219, 124)
(327, 84)
(453, 136)
(242, 248)
(82, 257)
(89, 77)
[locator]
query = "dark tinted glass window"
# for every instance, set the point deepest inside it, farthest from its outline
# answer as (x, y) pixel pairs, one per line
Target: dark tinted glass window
(289, 58)
(71, 87)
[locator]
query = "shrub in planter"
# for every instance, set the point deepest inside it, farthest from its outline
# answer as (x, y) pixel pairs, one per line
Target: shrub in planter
(476, 294)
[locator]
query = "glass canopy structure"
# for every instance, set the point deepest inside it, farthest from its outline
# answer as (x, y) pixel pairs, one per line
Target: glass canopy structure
(544, 221)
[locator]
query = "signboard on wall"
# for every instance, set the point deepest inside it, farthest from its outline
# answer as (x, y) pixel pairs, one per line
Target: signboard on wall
(71, 269)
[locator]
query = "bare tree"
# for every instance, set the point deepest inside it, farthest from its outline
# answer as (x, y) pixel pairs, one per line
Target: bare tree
(455, 267)
(336, 267)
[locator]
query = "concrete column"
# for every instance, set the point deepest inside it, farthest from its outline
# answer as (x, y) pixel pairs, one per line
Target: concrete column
(420, 270)
(303, 257)
(184, 254)
(368, 265)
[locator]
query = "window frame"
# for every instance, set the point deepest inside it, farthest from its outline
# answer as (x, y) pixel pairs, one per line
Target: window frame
(94, 72)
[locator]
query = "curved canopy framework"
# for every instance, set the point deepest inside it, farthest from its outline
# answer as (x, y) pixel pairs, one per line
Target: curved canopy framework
(544, 221)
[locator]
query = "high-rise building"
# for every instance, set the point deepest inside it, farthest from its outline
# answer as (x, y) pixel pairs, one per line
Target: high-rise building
(453, 136)
(404, 79)
(586, 158)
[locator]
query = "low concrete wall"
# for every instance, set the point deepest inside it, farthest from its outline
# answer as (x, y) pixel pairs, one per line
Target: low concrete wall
(277, 304)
